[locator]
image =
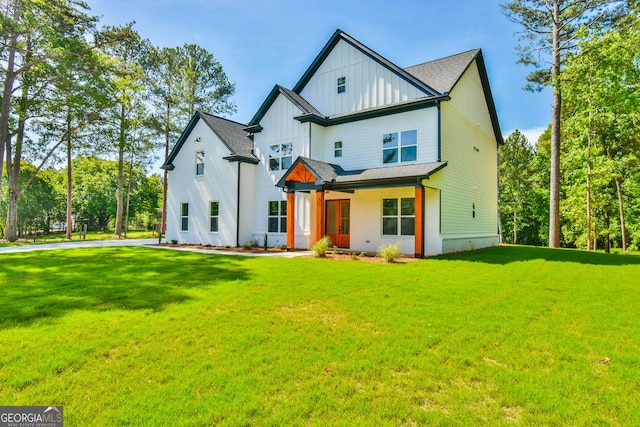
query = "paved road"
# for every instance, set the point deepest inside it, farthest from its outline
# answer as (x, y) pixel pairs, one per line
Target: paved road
(136, 242)
(77, 244)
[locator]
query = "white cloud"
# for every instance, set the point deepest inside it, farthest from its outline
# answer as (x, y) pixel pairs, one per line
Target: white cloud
(532, 134)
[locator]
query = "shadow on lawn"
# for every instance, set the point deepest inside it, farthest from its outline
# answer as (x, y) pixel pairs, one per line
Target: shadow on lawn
(52, 283)
(508, 254)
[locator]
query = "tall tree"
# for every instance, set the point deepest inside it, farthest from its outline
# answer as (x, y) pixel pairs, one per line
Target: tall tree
(127, 112)
(36, 71)
(549, 30)
(603, 113)
(53, 29)
(204, 84)
(183, 80)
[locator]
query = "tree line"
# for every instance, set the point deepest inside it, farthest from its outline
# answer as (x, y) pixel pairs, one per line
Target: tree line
(74, 90)
(579, 186)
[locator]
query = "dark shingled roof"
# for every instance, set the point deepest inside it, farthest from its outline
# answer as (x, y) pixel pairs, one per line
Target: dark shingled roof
(442, 74)
(231, 134)
(330, 176)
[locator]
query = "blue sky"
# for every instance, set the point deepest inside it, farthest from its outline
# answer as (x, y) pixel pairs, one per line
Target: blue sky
(264, 42)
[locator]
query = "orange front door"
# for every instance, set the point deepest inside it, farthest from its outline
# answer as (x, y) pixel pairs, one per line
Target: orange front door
(337, 222)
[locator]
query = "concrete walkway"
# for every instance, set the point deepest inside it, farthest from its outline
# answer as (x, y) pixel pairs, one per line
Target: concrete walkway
(77, 244)
(152, 243)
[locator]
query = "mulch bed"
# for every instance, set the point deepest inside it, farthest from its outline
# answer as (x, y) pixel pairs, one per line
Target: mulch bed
(330, 255)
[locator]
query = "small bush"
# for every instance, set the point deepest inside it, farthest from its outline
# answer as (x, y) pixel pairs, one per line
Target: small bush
(247, 245)
(322, 246)
(174, 242)
(389, 252)
(364, 254)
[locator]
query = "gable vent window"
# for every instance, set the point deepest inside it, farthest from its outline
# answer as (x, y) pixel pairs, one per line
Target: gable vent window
(403, 149)
(199, 163)
(342, 84)
(280, 156)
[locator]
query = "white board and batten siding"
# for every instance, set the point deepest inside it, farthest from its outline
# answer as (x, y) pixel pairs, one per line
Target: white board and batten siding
(218, 183)
(469, 180)
(368, 84)
(362, 140)
(279, 127)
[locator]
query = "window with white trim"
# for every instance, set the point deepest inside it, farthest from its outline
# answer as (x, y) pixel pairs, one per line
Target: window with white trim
(214, 208)
(280, 156)
(337, 149)
(199, 163)
(184, 216)
(277, 221)
(399, 216)
(400, 149)
(342, 84)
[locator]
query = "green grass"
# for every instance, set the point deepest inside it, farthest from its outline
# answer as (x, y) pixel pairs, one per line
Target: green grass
(142, 336)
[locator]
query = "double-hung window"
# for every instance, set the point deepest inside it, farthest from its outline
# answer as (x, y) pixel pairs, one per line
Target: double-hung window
(280, 156)
(337, 149)
(342, 84)
(199, 163)
(213, 216)
(184, 217)
(400, 148)
(398, 217)
(277, 216)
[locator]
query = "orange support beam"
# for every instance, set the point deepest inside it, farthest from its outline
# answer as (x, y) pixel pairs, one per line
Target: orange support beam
(419, 231)
(319, 215)
(291, 221)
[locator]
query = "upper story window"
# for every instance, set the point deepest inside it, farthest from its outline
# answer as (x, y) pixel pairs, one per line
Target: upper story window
(199, 163)
(337, 149)
(402, 149)
(342, 84)
(280, 156)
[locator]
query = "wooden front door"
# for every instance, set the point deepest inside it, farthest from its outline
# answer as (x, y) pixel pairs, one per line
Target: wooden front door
(337, 222)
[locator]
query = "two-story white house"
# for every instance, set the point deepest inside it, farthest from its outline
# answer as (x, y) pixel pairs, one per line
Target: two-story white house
(360, 150)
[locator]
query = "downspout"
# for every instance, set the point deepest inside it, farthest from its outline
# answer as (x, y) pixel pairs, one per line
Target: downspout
(439, 132)
(238, 209)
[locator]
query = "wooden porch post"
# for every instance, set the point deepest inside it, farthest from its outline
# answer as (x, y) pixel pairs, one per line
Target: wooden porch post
(291, 221)
(319, 214)
(419, 229)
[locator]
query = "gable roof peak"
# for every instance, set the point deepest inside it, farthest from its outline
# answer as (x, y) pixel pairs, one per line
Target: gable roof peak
(340, 35)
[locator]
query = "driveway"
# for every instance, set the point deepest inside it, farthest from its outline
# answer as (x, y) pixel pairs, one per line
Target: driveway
(77, 244)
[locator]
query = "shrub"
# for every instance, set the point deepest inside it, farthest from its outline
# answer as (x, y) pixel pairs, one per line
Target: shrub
(322, 246)
(248, 245)
(174, 242)
(389, 252)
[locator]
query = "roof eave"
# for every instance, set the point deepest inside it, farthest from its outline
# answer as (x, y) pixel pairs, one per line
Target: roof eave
(371, 113)
(242, 159)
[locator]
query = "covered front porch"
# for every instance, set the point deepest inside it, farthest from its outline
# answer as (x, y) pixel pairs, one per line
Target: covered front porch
(361, 209)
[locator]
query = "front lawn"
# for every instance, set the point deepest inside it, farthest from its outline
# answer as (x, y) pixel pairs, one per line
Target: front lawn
(143, 336)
